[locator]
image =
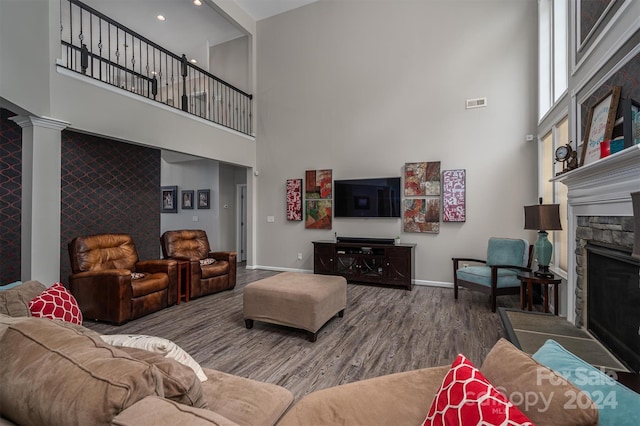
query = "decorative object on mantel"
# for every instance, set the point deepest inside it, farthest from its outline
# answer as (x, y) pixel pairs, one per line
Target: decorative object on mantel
(454, 189)
(599, 125)
(631, 122)
(294, 199)
(543, 217)
(568, 157)
(635, 200)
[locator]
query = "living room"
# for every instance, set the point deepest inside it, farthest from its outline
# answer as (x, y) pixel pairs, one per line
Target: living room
(358, 88)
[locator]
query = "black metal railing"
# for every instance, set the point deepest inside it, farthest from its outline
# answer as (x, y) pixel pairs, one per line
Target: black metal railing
(99, 47)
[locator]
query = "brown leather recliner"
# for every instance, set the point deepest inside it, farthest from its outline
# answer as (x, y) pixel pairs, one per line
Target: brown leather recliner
(193, 245)
(102, 281)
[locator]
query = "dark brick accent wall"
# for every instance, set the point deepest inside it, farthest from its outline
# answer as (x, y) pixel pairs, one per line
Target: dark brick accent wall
(10, 197)
(109, 187)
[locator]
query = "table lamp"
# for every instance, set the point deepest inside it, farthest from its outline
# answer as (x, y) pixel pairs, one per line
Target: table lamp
(543, 217)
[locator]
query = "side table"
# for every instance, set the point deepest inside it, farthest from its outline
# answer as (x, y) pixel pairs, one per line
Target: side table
(528, 279)
(183, 280)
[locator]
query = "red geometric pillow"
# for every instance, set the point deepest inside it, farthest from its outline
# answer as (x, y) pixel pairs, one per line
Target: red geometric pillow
(467, 398)
(56, 303)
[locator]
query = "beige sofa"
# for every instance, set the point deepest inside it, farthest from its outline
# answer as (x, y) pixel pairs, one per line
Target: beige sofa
(58, 373)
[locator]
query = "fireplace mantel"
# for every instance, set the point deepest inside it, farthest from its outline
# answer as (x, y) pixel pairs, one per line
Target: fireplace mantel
(602, 188)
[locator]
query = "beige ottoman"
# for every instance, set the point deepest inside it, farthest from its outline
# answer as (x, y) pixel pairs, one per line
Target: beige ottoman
(294, 299)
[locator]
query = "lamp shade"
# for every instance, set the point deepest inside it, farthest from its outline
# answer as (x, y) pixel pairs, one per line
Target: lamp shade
(635, 199)
(543, 217)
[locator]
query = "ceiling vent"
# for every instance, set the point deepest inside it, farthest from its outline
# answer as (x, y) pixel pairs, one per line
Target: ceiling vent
(476, 103)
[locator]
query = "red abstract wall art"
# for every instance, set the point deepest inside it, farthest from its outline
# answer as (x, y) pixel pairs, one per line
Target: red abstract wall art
(294, 199)
(454, 190)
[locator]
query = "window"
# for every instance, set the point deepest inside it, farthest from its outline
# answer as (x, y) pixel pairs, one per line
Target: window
(554, 192)
(552, 52)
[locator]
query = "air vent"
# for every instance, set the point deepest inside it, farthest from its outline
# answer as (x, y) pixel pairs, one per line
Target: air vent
(476, 103)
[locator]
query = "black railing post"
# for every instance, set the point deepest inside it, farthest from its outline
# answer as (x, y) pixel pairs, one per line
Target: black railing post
(185, 99)
(84, 58)
(154, 87)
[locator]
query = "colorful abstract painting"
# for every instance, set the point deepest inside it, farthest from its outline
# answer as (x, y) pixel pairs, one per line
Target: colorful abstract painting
(422, 179)
(294, 199)
(454, 190)
(421, 215)
(318, 184)
(317, 214)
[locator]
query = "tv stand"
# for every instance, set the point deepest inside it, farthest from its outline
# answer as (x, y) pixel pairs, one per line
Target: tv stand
(366, 260)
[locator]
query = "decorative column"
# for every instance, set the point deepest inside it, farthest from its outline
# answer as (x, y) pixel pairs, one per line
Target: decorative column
(41, 163)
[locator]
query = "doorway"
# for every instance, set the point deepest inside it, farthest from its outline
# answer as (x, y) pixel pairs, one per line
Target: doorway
(241, 231)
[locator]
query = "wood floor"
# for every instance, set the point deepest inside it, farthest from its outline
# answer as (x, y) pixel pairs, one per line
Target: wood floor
(383, 331)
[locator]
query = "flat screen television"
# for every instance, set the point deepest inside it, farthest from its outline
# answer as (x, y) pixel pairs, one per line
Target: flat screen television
(375, 197)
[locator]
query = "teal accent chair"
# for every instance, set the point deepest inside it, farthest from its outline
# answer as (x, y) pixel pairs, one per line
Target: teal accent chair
(498, 275)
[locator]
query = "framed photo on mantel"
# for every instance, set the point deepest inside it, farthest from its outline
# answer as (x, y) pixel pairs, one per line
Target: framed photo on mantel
(599, 125)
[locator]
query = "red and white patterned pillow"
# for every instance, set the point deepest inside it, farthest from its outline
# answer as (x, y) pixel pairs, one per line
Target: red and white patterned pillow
(467, 398)
(207, 261)
(56, 303)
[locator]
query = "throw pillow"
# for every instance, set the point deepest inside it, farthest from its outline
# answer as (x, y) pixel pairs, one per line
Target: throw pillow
(617, 404)
(156, 344)
(467, 398)
(179, 382)
(137, 275)
(56, 303)
(536, 390)
(207, 261)
(15, 301)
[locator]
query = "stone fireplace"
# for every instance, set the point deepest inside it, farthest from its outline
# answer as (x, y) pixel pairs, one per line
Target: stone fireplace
(600, 213)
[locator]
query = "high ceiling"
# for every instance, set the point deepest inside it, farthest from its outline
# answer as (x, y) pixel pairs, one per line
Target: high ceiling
(187, 28)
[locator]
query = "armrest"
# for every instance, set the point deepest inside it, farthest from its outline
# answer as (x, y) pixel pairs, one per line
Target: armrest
(520, 268)
(222, 255)
(103, 295)
(457, 260)
(165, 265)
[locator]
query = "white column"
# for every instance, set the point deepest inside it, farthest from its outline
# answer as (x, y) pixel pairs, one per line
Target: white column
(41, 164)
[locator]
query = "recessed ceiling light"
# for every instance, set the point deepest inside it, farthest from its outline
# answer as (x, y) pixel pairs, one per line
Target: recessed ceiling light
(193, 61)
(197, 2)
(160, 18)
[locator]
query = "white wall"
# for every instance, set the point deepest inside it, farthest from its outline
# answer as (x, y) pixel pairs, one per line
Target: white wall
(364, 87)
(230, 62)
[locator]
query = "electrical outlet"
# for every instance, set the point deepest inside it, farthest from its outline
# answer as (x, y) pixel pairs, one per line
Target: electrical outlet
(299, 256)
(465, 265)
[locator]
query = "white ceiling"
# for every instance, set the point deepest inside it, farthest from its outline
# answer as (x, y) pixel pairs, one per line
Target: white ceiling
(187, 29)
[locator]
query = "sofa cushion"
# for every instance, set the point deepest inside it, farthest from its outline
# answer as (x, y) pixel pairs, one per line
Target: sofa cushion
(393, 399)
(617, 404)
(153, 411)
(467, 398)
(179, 382)
(15, 301)
(56, 303)
(539, 392)
(245, 401)
(156, 344)
(54, 373)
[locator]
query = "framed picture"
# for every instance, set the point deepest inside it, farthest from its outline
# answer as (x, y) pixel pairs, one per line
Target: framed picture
(169, 199)
(631, 123)
(187, 200)
(599, 125)
(294, 199)
(203, 198)
(454, 189)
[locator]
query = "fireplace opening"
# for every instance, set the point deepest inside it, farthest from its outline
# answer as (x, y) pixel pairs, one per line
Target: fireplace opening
(613, 301)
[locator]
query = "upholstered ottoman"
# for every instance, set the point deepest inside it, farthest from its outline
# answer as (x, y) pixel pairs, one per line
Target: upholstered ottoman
(294, 299)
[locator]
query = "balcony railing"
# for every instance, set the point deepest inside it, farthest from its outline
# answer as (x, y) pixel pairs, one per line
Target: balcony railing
(97, 46)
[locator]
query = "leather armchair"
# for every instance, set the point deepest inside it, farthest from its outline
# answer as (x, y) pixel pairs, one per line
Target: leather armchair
(498, 274)
(102, 283)
(193, 245)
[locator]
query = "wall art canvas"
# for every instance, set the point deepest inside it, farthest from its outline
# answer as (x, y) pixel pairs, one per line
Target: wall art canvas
(318, 184)
(294, 199)
(454, 190)
(317, 214)
(422, 215)
(422, 179)
(169, 199)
